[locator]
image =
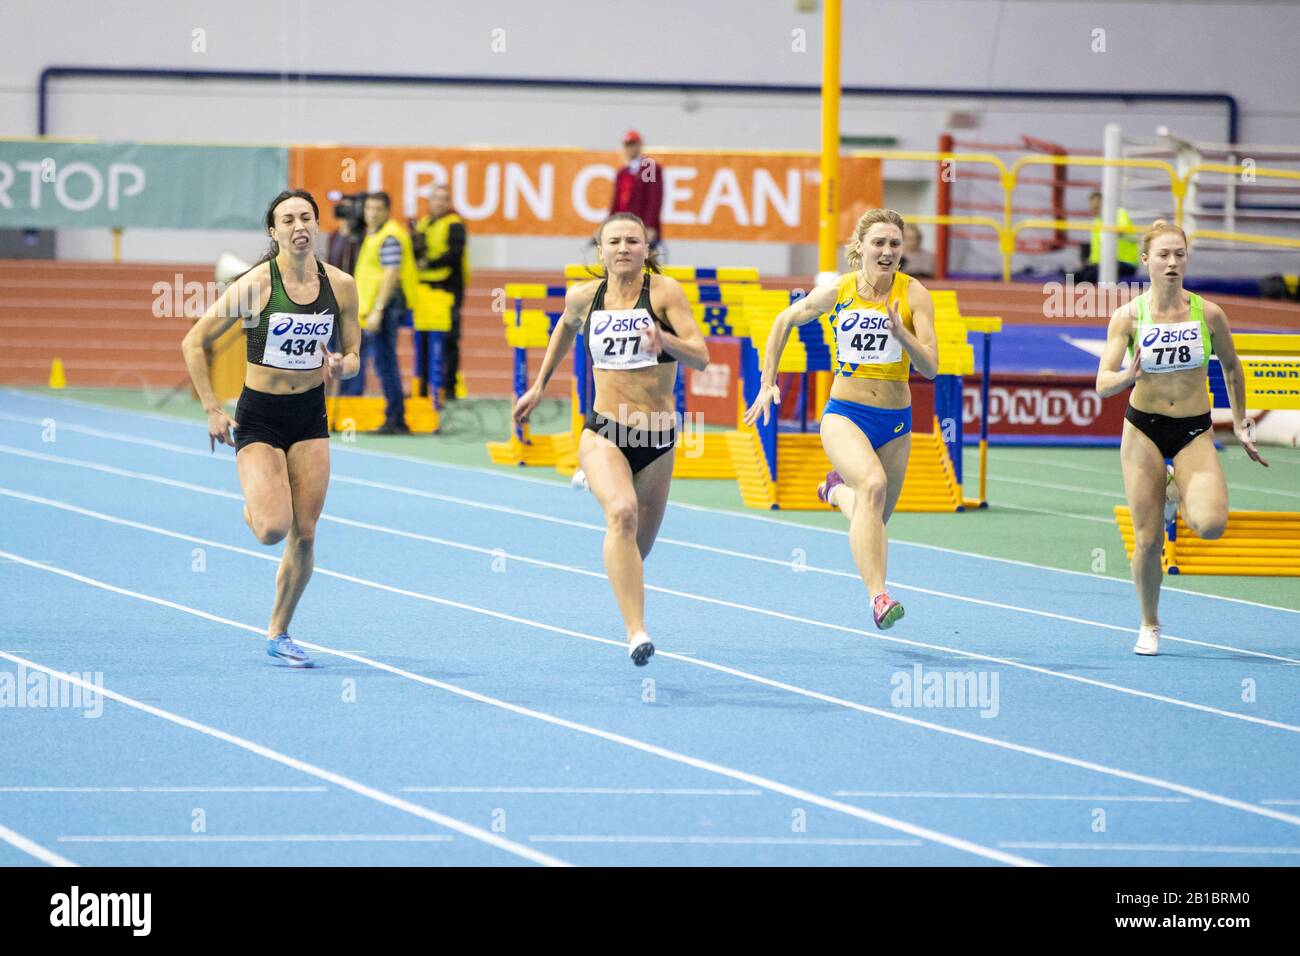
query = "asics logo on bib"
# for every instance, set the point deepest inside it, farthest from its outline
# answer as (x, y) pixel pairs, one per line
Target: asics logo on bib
(864, 322)
(1170, 335)
(311, 328)
(282, 327)
(623, 324)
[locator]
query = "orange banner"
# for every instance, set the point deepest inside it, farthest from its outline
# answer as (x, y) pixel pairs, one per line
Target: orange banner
(750, 196)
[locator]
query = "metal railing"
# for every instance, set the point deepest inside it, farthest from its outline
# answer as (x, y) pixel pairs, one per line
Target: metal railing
(1009, 228)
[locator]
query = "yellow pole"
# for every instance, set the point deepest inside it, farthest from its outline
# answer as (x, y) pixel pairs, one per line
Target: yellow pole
(829, 197)
(117, 243)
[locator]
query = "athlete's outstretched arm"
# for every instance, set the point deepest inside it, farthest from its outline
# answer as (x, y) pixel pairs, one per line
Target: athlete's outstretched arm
(1233, 377)
(819, 300)
(577, 302)
(244, 297)
(347, 363)
(1111, 380)
(687, 344)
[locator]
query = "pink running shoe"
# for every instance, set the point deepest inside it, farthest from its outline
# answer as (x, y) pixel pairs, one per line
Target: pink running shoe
(886, 611)
(833, 479)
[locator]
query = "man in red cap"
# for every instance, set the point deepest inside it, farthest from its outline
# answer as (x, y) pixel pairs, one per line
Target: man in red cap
(638, 188)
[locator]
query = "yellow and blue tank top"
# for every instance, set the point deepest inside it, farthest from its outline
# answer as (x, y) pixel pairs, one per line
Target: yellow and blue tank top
(864, 346)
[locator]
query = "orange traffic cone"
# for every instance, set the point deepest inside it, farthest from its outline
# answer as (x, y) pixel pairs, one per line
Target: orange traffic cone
(57, 377)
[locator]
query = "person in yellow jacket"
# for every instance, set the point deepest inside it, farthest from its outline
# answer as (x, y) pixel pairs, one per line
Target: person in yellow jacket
(443, 264)
(1126, 249)
(386, 287)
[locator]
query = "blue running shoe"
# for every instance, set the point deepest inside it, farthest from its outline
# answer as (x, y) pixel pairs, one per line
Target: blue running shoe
(283, 648)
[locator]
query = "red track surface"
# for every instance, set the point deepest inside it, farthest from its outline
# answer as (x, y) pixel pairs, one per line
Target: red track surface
(98, 318)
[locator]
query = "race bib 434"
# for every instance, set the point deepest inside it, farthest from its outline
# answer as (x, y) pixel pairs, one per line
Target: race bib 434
(297, 341)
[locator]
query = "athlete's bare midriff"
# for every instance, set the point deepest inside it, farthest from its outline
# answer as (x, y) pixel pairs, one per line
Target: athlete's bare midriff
(641, 391)
(877, 392)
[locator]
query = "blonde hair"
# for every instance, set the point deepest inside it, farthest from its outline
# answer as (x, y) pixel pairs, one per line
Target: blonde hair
(1159, 228)
(869, 219)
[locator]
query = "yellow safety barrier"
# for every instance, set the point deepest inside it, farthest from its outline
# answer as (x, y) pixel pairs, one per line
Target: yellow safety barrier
(365, 413)
(1256, 543)
(530, 328)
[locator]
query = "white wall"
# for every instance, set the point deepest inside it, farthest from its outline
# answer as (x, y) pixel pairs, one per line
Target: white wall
(1247, 50)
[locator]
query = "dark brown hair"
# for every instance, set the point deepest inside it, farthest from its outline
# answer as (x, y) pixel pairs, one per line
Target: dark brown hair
(274, 250)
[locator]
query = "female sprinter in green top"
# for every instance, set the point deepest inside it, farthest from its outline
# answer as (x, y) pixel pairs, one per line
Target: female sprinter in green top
(639, 325)
(884, 324)
(281, 433)
(1169, 334)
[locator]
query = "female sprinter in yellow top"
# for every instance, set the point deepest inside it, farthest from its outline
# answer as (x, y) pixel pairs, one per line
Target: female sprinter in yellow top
(1172, 333)
(639, 325)
(281, 435)
(883, 322)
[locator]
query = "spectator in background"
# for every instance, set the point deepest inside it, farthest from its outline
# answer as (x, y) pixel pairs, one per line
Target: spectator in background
(444, 264)
(1126, 247)
(639, 188)
(916, 261)
(341, 248)
(386, 282)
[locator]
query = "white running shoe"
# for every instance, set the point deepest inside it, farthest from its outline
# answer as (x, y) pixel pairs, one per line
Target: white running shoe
(1171, 496)
(1148, 643)
(640, 649)
(579, 481)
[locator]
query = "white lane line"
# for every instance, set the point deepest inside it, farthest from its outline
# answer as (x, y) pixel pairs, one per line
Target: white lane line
(599, 791)
(720, 668)
(511, 475)
(1152, 848)
(259, 838)
(1282, 803)
(32, 848)
(163, 789)
(329, 776)
(1009, 662)
(1047, 511)
(204, 489)
(1072, 489)
(956, 843)
(940, 795)
(716, 841)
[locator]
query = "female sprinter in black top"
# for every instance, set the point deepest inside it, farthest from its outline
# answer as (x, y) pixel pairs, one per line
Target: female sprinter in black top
(1169, 334)
(281, 435)
(638, 326)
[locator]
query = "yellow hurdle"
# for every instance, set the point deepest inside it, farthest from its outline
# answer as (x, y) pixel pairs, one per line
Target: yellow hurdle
(1255, 543)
